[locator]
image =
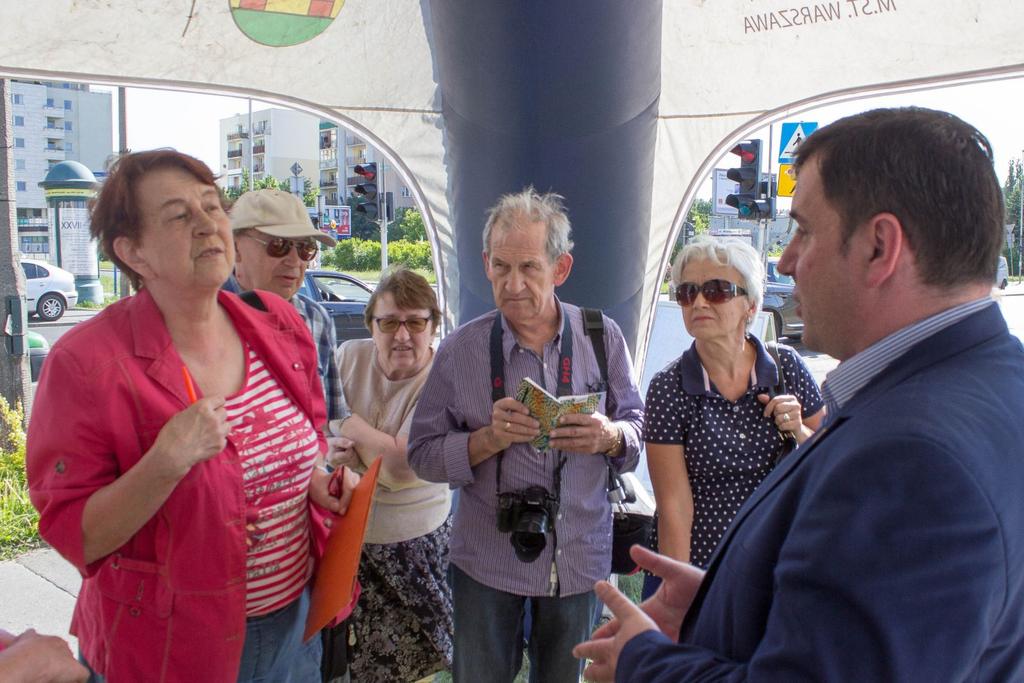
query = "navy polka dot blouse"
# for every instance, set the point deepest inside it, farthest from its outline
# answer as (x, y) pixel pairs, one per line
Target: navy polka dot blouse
(729, 447)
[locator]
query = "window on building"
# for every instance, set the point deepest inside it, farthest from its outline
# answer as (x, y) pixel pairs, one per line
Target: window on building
(50, 102)
(67, 105)
(405, 191)
(20, 185)
(68, 147)
(18, 99)
(67, 125)
(19, 120)
(19, 164)
(19, 142)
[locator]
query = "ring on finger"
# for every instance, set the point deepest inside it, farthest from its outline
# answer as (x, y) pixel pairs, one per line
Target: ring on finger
(508, 426)
(785, 417)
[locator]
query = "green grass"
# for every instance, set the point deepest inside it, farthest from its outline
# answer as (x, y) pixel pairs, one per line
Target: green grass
(18, 519)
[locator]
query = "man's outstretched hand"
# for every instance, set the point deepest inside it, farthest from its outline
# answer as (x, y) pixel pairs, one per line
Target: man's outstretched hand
(664, 611)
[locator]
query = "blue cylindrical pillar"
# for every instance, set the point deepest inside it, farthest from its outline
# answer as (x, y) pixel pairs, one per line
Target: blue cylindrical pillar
(563, 96)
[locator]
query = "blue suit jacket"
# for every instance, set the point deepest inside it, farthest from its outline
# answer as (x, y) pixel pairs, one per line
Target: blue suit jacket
(889, 548)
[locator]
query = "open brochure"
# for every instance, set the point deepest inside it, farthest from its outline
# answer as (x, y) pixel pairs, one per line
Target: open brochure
(547, 409)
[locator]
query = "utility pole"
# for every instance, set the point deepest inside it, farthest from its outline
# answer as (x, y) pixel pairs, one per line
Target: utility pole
(382, 196)
(124, 285)
(15, 380)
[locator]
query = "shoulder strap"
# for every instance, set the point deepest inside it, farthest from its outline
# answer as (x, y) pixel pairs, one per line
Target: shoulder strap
(254, 300)
(773, 351)
(593, 322)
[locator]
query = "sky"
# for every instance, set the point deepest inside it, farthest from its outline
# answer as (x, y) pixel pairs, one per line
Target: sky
(190, 122)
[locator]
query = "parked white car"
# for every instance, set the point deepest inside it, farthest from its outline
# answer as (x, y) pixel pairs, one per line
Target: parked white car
(51, 290)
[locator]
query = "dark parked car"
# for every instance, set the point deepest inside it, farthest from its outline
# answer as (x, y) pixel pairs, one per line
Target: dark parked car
(778, 300)
(344, 297)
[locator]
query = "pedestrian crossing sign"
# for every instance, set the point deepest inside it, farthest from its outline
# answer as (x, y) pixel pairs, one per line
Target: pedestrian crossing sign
(793, 135)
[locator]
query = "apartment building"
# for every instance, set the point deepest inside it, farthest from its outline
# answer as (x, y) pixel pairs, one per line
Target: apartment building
(53, 122)
(280, 138)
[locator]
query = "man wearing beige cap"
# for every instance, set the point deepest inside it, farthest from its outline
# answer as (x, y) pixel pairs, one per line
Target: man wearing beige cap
(274, 242)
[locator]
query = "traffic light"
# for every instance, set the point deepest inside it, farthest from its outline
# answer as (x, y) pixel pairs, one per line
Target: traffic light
(367, 191)
(752, 201)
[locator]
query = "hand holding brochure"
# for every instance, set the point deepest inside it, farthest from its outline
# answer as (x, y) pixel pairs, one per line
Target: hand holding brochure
(547, 409)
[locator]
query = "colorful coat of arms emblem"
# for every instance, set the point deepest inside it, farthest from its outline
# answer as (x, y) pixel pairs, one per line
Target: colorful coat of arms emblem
(280, 23)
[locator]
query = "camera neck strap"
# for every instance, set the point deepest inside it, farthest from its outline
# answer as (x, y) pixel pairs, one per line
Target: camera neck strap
(565, 359)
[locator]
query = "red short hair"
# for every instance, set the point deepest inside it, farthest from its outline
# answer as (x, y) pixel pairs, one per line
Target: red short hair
(115, 211)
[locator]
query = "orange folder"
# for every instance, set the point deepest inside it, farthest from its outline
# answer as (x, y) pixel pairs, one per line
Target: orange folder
(335, 584)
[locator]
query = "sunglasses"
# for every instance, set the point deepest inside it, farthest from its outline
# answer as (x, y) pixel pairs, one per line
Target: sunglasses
(279, 246)
(391, 325)
(714, 291)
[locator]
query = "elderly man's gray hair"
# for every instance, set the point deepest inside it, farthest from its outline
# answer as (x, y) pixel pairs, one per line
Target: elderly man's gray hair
(529, 206)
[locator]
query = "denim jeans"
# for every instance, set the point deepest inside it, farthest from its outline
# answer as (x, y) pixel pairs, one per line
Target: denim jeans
(274, 651)
(489, 633)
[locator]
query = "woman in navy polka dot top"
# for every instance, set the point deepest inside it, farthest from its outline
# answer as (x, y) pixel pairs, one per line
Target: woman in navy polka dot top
(712, 433)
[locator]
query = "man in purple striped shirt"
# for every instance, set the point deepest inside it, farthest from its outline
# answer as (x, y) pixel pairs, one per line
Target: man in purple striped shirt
(465, 433)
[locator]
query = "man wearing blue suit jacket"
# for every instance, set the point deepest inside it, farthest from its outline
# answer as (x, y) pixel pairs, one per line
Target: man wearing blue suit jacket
(890, 546)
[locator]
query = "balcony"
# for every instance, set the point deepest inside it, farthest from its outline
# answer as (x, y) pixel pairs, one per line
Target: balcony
(232, 153)
(53, 132)
(353, 160)
(261, 128)
(326, 143)
(259, 149)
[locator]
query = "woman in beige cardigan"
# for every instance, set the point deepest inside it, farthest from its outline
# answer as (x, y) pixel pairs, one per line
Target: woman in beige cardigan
(401, 628)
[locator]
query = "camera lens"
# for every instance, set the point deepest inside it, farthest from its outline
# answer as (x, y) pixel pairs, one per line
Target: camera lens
(528, 546)
(530, 536)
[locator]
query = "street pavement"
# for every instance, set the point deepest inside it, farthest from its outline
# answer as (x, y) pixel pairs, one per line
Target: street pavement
(40, 587)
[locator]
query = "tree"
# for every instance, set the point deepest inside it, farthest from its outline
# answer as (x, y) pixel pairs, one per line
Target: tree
(15, 381)
(267, 182)
(1012, 191)
(309, 192)
(408, 225)
(700, 215)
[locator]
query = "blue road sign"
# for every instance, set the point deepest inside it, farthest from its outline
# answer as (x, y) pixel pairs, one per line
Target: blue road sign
(793, 134)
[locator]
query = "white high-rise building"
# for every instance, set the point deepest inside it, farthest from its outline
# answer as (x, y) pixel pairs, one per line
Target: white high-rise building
(53, 122)
(280, 139)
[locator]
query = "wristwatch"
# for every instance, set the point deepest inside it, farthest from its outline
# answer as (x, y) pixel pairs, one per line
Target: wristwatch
(616, 443)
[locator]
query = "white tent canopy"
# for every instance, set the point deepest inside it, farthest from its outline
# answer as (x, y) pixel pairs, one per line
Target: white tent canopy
(728, 67)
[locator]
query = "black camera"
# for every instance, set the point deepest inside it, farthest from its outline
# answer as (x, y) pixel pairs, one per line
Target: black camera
(527, 515)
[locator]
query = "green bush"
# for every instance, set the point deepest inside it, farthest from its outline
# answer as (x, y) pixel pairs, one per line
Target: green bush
(357, 254)
(18, 519)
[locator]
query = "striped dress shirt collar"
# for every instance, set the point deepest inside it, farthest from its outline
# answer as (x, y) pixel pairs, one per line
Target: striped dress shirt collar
(853, 374)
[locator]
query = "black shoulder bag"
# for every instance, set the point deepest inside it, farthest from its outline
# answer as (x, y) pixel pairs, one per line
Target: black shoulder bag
(787, 439)
(632, 523)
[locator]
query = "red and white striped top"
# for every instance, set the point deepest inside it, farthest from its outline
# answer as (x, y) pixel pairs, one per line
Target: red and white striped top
(277, 447)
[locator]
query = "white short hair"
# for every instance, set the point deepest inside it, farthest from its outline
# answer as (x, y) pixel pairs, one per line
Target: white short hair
(725, 252)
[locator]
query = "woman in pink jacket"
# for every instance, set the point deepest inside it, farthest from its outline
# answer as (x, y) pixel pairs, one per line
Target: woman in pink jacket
(174, 450)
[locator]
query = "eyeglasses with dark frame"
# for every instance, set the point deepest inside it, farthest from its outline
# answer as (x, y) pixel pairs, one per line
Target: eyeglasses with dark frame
(714, 291)
(391, 325)
(279, 246)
